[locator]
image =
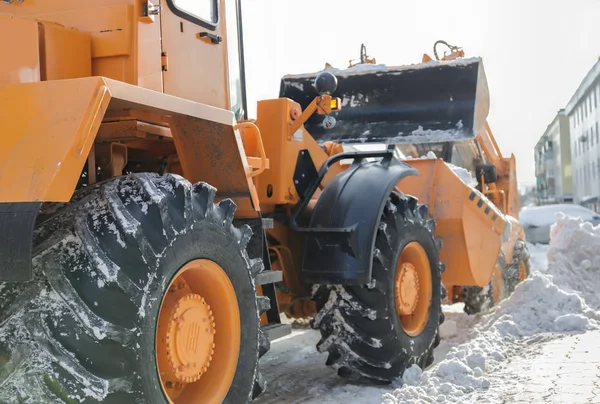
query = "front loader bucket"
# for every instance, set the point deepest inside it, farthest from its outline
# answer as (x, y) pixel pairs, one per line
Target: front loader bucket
(423, 103)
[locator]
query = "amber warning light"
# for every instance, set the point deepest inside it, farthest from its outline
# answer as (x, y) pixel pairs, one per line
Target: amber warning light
(334, 104)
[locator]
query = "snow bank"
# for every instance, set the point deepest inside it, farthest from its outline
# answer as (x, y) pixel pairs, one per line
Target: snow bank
(563, 299)
(464, 174)
(547, 215)
(574, 258)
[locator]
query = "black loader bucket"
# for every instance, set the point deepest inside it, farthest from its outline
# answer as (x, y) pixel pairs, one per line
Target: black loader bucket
(436, 101)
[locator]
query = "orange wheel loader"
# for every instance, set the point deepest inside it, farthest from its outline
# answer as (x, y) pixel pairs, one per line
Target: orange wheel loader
(151, 234)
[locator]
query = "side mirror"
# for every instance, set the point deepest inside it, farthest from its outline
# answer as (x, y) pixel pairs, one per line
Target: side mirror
(488, 171)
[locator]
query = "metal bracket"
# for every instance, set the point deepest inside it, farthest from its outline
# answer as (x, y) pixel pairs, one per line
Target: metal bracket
(164, 60)
(305, 173)
(112, 158)
(149, 11)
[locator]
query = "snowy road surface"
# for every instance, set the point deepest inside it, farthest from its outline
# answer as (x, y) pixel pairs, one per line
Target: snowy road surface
(565, 370)
(537, 346)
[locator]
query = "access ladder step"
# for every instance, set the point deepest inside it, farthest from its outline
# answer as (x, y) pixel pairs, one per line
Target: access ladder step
(269, 276)
(276, 331)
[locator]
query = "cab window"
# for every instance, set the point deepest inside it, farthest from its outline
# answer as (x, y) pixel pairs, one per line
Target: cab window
(200, 9)
(234, 60)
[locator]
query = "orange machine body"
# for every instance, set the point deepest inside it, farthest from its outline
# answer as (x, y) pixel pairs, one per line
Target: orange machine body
(117, 72)
(162, 52)
(95, 89)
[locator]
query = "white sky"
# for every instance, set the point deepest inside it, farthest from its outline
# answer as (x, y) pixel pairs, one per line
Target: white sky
(535, 52)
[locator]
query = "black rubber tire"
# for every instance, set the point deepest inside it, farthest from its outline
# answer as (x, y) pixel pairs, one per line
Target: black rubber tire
(477, 299)
(359, 325)
(520, 255)
(480, 300)
(84, 329)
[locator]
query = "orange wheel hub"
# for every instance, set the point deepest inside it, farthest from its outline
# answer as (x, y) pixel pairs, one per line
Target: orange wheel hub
(197, 343)
(413, 289)
(190, 336)
(407, 292)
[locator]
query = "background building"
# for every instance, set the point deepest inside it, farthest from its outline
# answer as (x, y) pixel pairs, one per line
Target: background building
(553, 171)
(584, 116)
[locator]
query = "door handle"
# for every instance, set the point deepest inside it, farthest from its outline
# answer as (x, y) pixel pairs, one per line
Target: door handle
(215, 39)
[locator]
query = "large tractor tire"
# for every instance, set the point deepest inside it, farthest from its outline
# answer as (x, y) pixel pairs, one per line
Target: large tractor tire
(142, 293)
(481, 299)
(505, 279)
(376, 331)
(520, 268)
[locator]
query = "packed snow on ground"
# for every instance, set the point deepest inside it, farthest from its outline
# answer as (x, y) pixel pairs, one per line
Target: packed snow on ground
(561, 300)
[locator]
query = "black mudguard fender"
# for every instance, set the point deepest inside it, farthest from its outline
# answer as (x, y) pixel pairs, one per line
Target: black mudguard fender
(17, 221)
(355, 200)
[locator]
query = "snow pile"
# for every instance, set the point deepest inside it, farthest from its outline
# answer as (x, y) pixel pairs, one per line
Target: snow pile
(429, 155)
(561, 300)
(538, 305)
(574, 258)
(546, 215)
(462, 173)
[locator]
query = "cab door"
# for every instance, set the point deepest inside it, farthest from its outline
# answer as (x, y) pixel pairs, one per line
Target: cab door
(194, 44)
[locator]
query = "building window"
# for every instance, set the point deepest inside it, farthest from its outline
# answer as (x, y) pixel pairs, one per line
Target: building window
(597, 136)
(593, 170)
(586, 107)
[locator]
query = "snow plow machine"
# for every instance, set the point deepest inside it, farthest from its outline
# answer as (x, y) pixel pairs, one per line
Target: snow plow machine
(152, 235)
